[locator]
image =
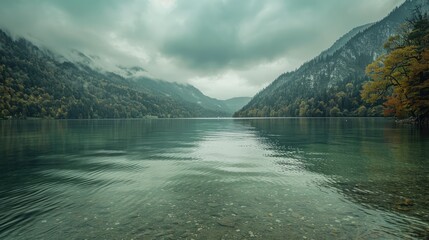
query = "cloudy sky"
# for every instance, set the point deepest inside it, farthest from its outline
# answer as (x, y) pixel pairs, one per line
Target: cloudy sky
(226, 48)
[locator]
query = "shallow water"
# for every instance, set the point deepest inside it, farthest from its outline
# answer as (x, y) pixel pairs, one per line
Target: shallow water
(213, 179)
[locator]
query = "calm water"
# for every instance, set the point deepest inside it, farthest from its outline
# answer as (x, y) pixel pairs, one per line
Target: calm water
(213, 179)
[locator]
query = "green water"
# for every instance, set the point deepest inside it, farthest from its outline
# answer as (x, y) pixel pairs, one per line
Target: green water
(213, 179)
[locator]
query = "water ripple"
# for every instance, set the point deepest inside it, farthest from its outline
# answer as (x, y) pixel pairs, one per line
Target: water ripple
(204, 179)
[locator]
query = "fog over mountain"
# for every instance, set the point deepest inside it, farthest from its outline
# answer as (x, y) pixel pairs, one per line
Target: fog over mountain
(224, 48)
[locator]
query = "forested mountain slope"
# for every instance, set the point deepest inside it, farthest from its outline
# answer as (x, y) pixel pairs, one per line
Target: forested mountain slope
(236, 103)
(330, 84)
(35, 83)
(184, 92)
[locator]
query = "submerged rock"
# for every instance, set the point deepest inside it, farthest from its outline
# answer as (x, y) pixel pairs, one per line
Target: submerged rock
(227, 222)
(406, 202)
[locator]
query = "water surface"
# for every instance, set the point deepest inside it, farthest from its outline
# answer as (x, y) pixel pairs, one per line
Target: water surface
(213, 179)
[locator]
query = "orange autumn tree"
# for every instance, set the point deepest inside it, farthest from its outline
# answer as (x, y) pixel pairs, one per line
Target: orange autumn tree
(400, 78)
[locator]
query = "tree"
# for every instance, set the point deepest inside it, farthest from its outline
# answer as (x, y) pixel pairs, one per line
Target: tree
(335, 112)
(361, 112)
(400, 78)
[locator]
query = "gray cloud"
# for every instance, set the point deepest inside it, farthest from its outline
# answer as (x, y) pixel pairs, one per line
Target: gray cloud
(241, 32)
(207, 43)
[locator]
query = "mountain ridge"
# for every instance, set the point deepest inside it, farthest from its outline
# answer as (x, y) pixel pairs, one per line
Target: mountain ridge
(330, 85)
(339, 43)
(181, 91)
(34, 83)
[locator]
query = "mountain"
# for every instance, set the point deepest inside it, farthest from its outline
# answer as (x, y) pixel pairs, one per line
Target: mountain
(174, 90)
(344, 39)
(35, 82)
(235, 104)
(330, 84)
(183, 92)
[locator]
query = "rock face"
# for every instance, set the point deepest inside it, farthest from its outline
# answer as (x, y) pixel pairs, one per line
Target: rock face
(329, 85)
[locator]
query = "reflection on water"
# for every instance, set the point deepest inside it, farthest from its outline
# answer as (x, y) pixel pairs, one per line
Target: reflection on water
(213, 179)
(369, 160)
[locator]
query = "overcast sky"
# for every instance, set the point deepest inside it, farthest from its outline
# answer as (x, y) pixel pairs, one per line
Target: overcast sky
(226, 48)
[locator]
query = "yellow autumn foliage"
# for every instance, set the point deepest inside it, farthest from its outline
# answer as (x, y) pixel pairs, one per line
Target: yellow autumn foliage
(400, 78)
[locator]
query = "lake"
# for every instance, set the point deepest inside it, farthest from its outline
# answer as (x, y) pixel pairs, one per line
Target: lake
(291, 178)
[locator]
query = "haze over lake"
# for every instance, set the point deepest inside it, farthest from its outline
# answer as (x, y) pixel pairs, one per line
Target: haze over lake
(284, 178)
